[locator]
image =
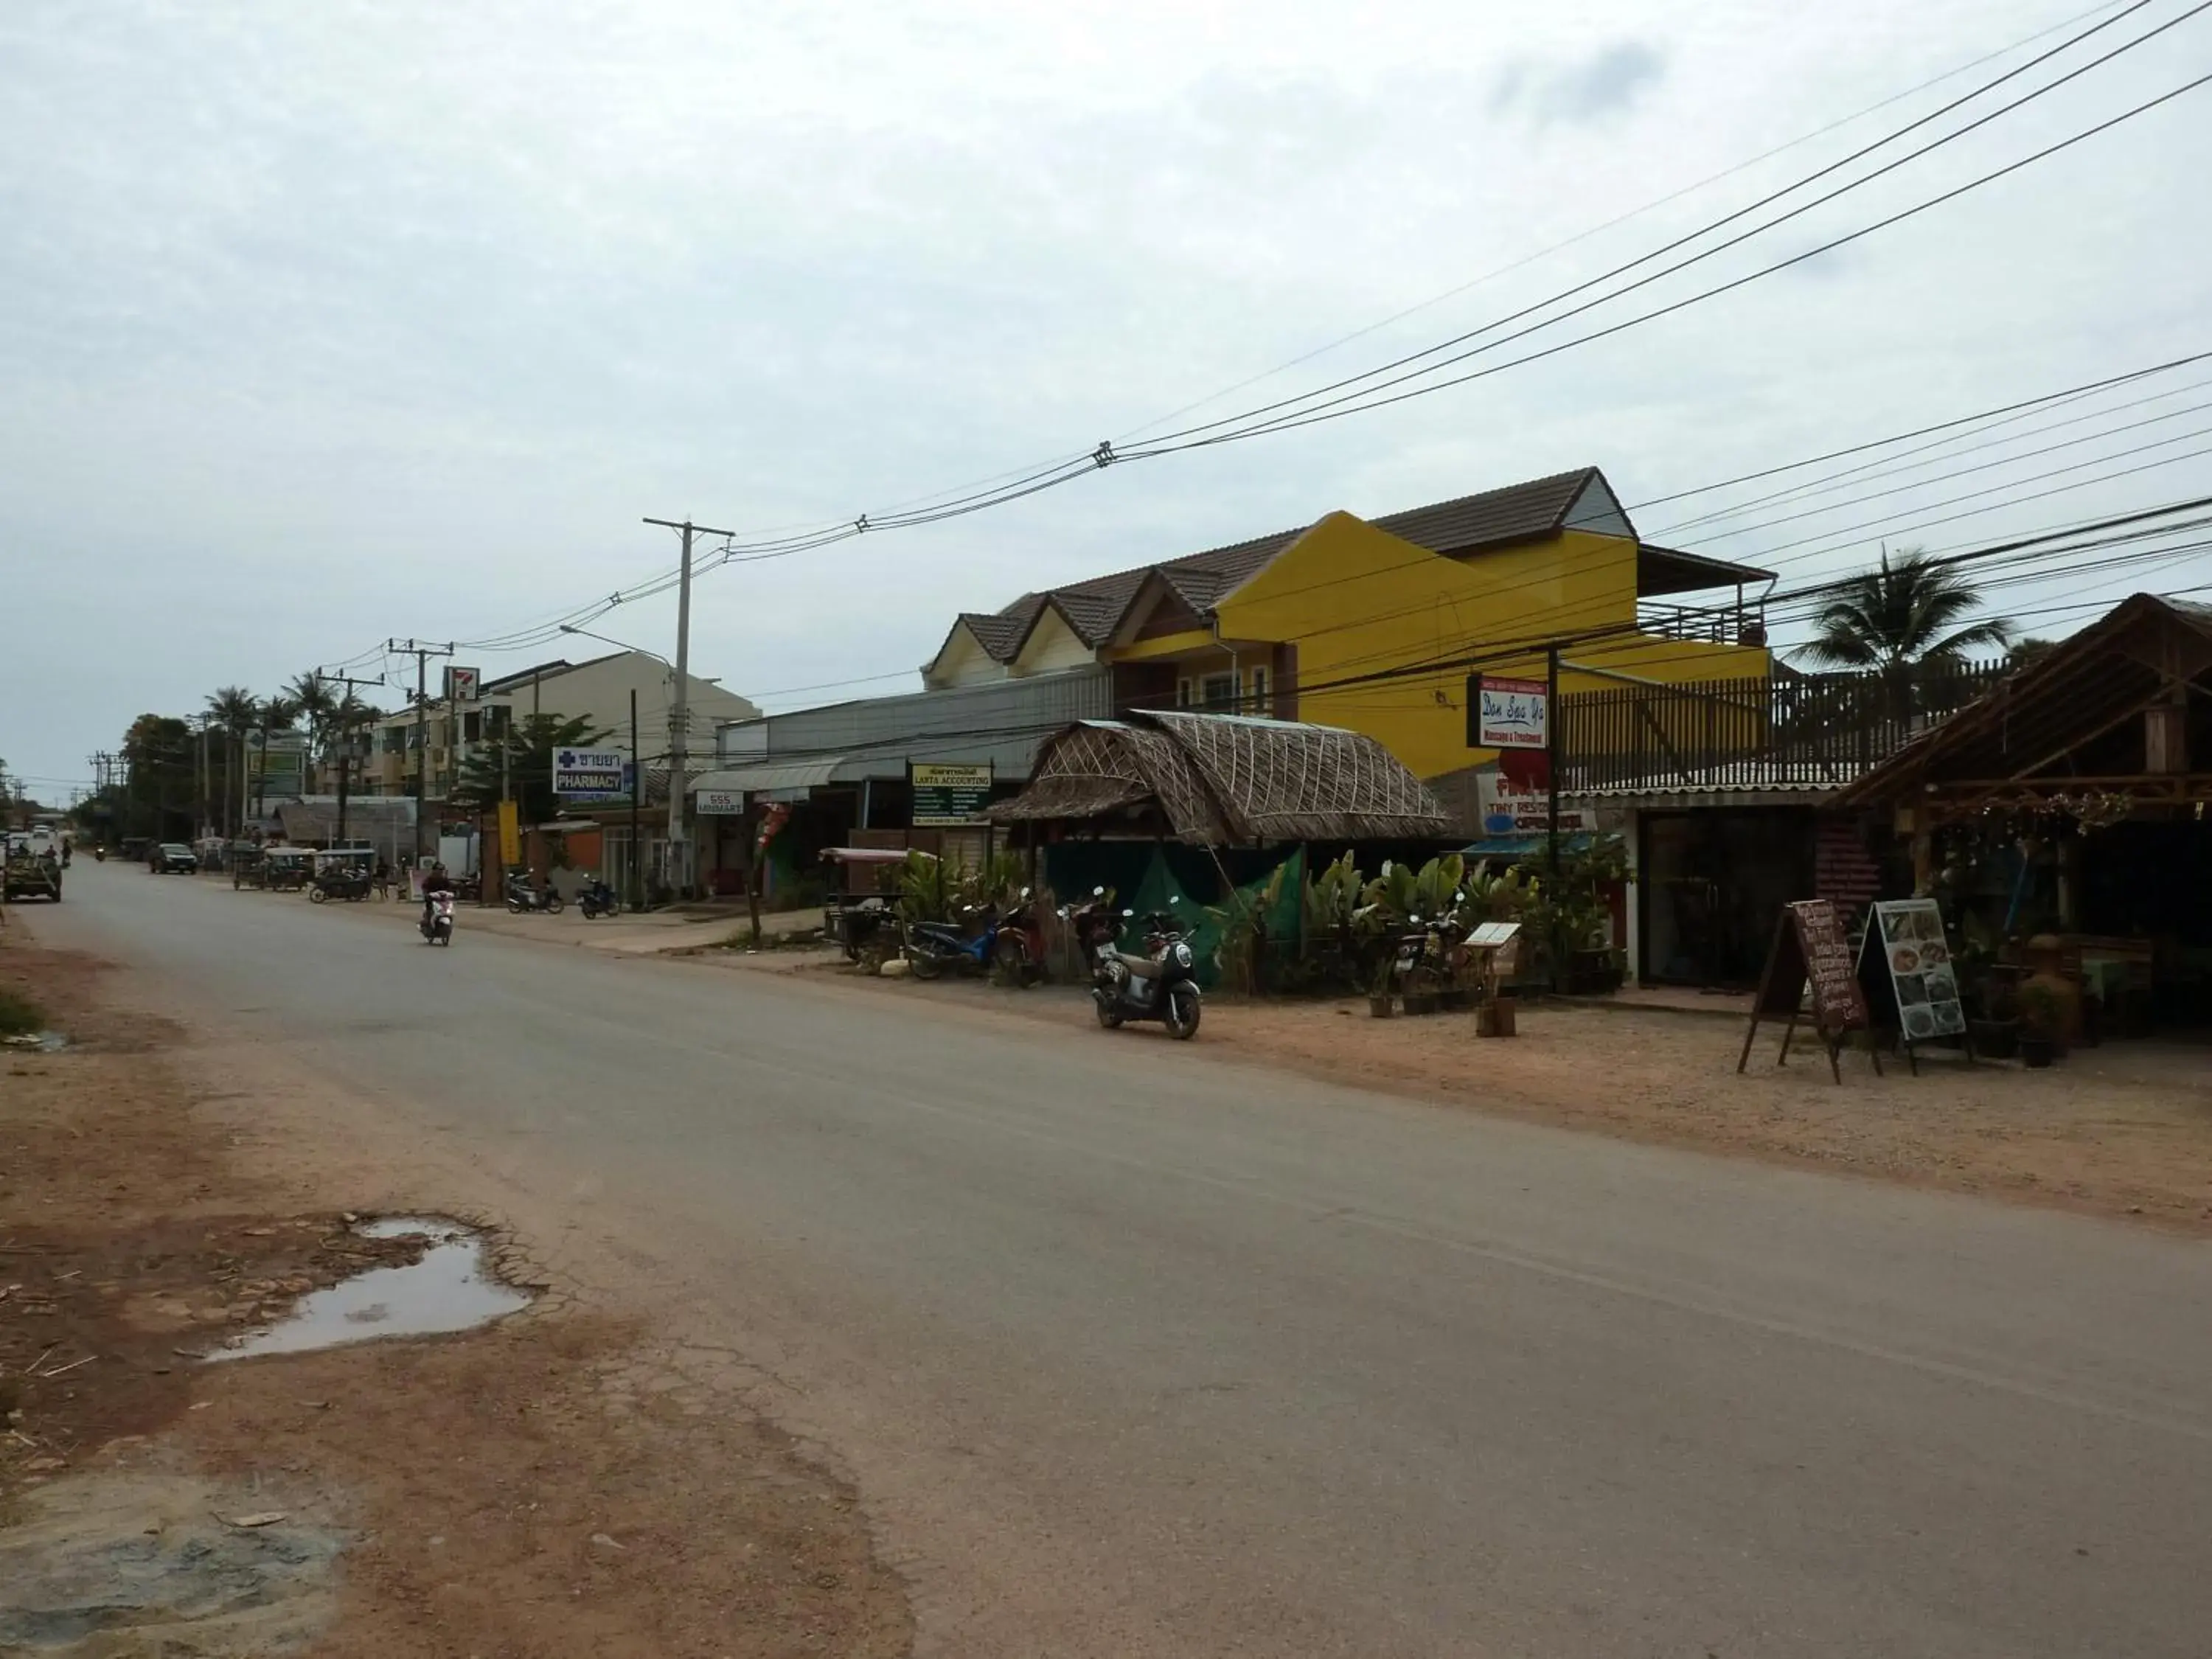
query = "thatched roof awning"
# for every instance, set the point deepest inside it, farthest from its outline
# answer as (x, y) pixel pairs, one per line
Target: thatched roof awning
(1219, 779)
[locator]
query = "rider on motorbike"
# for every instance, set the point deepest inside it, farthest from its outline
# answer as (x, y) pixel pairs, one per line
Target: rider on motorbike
(436, 882)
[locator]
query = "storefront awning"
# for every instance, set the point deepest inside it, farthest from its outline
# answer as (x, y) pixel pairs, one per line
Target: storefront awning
(1522, 847)
(769, 780)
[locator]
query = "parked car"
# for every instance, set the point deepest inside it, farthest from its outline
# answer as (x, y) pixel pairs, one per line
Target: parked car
(172, 858)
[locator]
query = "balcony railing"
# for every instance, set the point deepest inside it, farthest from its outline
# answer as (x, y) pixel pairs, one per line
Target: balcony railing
(1725, 624)
(1785, 729)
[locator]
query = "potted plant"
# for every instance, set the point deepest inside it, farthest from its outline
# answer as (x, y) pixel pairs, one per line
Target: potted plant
(1381, 1000)
(2041, 1020)
(1996, 1025)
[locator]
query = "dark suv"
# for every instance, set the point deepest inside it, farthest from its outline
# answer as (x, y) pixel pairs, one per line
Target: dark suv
(172, 858)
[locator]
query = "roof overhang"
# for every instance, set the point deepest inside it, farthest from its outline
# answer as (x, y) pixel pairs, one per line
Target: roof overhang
(1663, 570)
(770, 779)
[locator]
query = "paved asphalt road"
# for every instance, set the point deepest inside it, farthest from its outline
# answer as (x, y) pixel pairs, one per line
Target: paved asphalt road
(1136, 1352)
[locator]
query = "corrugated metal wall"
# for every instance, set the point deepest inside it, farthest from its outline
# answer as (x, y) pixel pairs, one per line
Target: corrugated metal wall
(1001, 722)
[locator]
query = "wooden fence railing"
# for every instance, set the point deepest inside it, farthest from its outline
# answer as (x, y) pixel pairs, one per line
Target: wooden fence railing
(1781, 729)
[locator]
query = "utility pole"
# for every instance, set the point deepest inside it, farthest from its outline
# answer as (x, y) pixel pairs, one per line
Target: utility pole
(422, 653)
(635, 897)
(345, 741)
(1553, 752)
(679, 710)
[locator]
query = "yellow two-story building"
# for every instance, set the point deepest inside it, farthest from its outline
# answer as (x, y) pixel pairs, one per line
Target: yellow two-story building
(1383, 625)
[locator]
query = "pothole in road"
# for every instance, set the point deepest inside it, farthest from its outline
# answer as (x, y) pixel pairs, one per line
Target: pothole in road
(451, 1288)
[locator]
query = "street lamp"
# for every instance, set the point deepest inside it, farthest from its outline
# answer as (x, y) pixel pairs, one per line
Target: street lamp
(635, 897)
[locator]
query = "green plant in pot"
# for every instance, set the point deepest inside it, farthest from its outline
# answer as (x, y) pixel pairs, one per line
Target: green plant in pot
(2042, 1019)
(1383, 985)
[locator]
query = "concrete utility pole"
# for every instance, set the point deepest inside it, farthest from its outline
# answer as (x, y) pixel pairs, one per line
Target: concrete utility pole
(679, 710)
(345, 741)
(422, 653)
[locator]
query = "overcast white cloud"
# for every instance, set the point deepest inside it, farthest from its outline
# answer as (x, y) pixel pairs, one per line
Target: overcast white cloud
(325, 322)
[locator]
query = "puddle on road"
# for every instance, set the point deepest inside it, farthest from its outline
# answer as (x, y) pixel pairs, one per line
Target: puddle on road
(44, 1043)
(451, 1288)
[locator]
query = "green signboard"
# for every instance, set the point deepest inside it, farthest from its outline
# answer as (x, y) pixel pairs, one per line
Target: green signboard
(945, 796)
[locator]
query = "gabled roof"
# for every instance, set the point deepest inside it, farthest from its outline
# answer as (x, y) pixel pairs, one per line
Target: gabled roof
(1095, 609)
(1517, 512)
(2027, 730)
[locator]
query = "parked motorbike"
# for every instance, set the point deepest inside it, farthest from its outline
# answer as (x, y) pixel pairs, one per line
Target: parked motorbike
(1158, 983)
(521, 895)
(933, 946)
(437, 924)
(598, 900)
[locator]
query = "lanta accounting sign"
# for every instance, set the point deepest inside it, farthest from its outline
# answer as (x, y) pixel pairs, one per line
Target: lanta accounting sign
(589, 775)
(947, 796)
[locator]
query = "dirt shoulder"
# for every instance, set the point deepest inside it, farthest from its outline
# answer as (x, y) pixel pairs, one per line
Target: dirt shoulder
(2123, 1131)
(560, 1483)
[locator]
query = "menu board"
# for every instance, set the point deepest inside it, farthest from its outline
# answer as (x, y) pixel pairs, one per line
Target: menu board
(1811, 951)
(1906, 968)
(1838, 1002)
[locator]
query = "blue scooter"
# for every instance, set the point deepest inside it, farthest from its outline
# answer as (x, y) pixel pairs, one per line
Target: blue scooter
(933, 946)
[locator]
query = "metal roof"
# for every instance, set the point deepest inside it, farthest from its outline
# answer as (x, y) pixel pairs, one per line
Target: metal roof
(771, 777)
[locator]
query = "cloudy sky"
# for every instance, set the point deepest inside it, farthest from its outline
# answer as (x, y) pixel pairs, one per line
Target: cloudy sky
(324, 323)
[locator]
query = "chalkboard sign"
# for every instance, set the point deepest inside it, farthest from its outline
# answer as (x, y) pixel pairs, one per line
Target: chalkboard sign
(1811, 950)
(1910, 982)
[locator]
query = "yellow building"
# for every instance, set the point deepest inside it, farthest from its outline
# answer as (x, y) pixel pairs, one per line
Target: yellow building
(1381, 625)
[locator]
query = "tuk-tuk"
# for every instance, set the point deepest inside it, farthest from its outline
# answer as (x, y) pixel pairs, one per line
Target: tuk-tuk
(248, 865)
(286, 869)
(29, 872)
(862, 916)
(341, 873)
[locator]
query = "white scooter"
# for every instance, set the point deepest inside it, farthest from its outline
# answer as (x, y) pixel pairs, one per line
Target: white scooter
(437, 924)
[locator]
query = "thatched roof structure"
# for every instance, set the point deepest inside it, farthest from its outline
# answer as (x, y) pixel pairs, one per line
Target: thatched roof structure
(1222, 778)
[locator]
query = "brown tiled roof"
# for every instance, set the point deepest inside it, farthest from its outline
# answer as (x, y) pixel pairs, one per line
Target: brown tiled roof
(1517, 512)
(1096, 607)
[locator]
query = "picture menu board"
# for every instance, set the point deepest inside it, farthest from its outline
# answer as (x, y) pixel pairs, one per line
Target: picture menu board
(1906, 967)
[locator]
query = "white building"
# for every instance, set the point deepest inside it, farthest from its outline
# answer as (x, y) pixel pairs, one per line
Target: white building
(599, 690)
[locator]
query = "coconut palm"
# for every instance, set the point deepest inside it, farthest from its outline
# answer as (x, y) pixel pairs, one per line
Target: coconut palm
(311, 695)
(274, 713)
(233, 712)
(1905, 613)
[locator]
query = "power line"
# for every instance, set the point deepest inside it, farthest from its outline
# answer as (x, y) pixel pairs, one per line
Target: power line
(1707, 229)
(1053, 475)
(1883, 467)
(1339, 408)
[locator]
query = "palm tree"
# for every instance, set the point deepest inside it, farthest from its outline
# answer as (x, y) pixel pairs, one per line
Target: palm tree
(1893, 618)
(233, 712)
(274, 713)
(311, 695)
(1902, 619)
